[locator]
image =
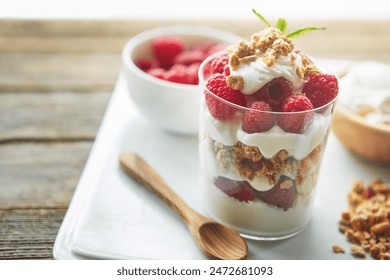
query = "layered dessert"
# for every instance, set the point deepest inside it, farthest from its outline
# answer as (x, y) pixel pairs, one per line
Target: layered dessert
(265, 119)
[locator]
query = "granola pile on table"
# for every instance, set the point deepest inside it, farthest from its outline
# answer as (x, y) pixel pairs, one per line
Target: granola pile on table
(366, 222)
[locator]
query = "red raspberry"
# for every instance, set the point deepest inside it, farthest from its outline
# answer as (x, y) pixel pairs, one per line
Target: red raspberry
(240, 190)
(178, 73)
(281, 195)
(296, 122)
(165, 49)
(192, 72)
(219, 109)
(273, 93)
(321, 89)
(189, 57)
(217, 64)
(146, 64)
(226, 70)
(157, 73)
(256, 121)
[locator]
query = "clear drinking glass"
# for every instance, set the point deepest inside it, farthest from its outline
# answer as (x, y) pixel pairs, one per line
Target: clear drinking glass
(261, 184)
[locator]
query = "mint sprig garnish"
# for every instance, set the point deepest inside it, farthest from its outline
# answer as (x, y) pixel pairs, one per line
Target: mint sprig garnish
(301, 31)
(261, 17)
(281, 24)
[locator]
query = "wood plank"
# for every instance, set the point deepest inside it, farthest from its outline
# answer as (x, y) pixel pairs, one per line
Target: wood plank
(122, 28)
(29, 233)
(40, 175)
(109, 36)
(78, 28)
(54, 72)
(57, 45)
(43, 116)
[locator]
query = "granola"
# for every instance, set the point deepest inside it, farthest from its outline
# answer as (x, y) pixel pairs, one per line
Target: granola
(338, 249)
(270, 44)
(248, 162)
(367, 220)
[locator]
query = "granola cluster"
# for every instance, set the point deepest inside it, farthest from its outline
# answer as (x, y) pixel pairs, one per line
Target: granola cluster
(269, 43)
(248, 161)
(367, 220)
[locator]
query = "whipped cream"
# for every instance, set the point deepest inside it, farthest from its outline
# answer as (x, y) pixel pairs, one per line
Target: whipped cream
(366, 91)
(256, 73)
(272, 141)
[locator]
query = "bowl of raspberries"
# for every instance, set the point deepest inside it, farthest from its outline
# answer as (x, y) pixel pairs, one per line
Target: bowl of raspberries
(161, 70)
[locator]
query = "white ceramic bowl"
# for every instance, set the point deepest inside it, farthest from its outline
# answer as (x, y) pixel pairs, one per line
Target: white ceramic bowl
(170, 106)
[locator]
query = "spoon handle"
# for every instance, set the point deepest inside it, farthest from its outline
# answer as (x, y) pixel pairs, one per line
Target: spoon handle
(141, 171)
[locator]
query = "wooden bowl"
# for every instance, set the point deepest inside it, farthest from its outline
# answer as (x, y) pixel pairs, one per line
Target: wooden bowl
(367, 140)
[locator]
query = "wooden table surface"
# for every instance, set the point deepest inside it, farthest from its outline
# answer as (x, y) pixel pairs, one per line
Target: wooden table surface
(56, 78)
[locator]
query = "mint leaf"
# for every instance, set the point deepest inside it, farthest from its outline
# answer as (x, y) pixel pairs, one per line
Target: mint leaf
(261, 17)
(281, 24)
(303, 30)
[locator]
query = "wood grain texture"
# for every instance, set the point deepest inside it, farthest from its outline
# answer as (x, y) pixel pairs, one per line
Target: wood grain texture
(29, 233)
(47, 72)
(57, 115)
(40, 175)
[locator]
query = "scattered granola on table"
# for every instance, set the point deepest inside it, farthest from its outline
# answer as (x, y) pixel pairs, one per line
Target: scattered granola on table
(338, 249)
(366, 222)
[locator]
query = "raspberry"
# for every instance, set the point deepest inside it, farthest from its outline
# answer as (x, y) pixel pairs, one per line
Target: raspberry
(192, 72)
(295, 122)
(189, 57)
(281, 195)
(256, 121)
(226, 70)
(240, 190)
(273, 93)
(146, 64)
(157, 73)
(321, 89)
(217, 64)
(165, 49)
(178, 74)
(219, 109)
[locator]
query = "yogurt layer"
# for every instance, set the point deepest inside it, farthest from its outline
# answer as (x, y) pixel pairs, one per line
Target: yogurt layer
(272, 141)
(256, 73)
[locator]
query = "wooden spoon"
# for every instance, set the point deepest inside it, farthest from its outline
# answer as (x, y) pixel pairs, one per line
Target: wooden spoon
(215, 240)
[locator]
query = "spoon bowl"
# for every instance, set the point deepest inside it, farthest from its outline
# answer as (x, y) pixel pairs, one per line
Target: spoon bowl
(215, 240)
(214, 235)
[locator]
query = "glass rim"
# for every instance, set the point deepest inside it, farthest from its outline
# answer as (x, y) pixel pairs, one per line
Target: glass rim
(243, 108)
